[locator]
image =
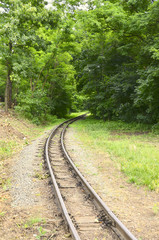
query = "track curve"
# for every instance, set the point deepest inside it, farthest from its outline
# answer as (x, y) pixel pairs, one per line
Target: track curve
(66, 184)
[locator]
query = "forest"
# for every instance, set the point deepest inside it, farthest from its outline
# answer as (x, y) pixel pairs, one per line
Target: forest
(95, 55)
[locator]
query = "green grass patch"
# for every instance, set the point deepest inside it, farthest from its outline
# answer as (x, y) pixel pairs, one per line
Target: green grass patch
(33, 221)
(134, 146)
(7, 148)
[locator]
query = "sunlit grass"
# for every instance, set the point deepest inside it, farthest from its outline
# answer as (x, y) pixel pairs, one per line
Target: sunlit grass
(7, 148)
(131, 145)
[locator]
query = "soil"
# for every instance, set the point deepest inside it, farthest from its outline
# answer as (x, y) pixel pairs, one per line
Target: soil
(134, 206)
(32, 199)
(27, 206)
(7, 129)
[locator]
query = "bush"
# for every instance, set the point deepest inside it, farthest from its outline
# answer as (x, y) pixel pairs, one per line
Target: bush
(33, 105)
(155, 128)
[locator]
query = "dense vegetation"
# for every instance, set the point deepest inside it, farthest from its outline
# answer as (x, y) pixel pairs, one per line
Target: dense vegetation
(99, 55)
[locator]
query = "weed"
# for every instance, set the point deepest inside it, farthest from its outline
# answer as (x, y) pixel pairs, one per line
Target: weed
(41, 232)
(94, 174)
(39, 154)
(26, 142)
(41, 176)
(6, 149)
(156, 208)
(2, 214)
(6, 184)
(41, 165)
(77, 165)
(33, 221)
(38, 194)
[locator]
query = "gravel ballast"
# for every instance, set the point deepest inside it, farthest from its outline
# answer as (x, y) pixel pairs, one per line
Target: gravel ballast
(23, 187)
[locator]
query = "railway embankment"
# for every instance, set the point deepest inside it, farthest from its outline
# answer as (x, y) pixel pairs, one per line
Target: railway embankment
(27, 208)
(27, 203)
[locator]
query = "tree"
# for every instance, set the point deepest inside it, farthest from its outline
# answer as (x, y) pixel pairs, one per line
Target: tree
(118, 65)
(105, 52)
(19, 21)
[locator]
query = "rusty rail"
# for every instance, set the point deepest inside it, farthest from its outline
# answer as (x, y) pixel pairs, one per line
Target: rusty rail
(124, 232)
(116, 224)
(64, 211)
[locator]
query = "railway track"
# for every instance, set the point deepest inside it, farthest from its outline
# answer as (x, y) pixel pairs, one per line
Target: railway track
(86, 215)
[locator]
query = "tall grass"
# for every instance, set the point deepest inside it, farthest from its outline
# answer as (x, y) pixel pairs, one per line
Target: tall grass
(131, 145)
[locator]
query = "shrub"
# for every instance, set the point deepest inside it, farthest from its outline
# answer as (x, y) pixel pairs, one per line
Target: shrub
(33, 105)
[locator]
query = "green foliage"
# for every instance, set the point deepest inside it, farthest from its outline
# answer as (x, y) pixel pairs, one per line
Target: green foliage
(79, 102)
(155, 128)
(104, 58)
(118, 65)
(36, 46)
(33, 105)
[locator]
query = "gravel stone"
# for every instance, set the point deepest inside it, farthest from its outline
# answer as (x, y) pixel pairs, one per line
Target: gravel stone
(22, 177)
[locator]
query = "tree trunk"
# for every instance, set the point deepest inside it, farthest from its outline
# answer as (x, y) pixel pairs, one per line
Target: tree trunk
(8, 90)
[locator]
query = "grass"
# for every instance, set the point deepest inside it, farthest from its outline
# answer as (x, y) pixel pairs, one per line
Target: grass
(33, 222)
(156, 208)
(133, 146)
(7, 148)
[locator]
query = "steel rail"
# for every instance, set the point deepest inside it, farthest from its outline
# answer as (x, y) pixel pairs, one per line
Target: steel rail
(65, 213)
(124, 232)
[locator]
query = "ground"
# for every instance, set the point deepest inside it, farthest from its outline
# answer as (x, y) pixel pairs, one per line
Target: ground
(27, 208)
(133, 205)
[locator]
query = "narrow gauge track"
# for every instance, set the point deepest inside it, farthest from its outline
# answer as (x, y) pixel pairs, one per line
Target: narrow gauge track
(86, 215)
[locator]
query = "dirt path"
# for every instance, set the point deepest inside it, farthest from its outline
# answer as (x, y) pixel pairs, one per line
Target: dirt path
(30, 212)
(134, 206)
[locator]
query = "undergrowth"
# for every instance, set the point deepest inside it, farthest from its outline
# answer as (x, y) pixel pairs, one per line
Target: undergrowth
(134, 146)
